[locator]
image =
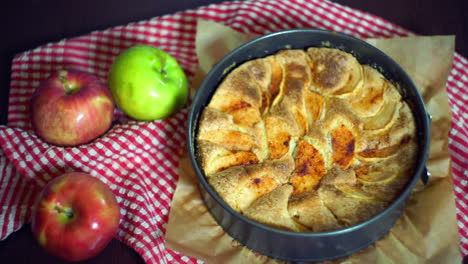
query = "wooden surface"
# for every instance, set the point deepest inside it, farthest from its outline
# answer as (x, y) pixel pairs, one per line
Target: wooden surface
(27, 24)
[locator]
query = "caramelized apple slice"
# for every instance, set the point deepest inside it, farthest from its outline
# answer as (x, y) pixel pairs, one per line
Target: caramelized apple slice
(309, 210)
(315, 105)
(376, 173)
(239, 188)
(348, 209)
(233, 159)
(213, 119)
(232, 140)
(310, 167)
(338, 175)
(296, 73)
(279, 169)
(383, 143)
(275, 89)
(368, 99)
(216, 158)
(388, 112)
(272, 209)
(244, 114)
(259, 136)
(265, 74)
(334, 71)
(278, 137)
(260, 71)
(386, 151)
(354, 191)
(301, 121)
(240, 84)
(296, 80)
(342, 140)
(391, 175)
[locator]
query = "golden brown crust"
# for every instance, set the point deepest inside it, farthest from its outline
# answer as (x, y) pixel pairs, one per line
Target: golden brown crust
(307, 140)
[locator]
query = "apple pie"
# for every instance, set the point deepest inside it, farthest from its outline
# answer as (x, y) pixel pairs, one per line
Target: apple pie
(307, 140)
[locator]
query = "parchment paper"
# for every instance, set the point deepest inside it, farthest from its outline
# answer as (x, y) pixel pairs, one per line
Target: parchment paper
(426, 232)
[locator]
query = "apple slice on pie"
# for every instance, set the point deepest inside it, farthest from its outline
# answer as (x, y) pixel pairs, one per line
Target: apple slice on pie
(309, 167)
(272, 209)
(309, 210)
(387, 114)
(238, 188)
(334, 71)
(351, 206)
(342, 139)
(216, 158)
(368, 99)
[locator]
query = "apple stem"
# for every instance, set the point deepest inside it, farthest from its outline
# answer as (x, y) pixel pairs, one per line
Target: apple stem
(69, 89)
(66, 211)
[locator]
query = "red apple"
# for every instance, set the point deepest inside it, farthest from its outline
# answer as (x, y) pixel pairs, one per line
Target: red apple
(76, 216)
(71, 108)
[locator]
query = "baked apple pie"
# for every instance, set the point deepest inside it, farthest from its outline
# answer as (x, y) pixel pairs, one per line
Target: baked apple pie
(307, 140)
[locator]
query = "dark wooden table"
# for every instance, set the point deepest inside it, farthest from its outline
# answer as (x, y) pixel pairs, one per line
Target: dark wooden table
(27, 24)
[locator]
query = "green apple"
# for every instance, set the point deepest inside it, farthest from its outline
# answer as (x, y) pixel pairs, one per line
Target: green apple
(147, 83)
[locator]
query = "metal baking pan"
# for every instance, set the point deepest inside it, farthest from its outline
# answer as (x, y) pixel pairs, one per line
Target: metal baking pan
(301, 246)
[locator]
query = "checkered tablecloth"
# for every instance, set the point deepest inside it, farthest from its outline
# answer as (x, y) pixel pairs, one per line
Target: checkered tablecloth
(138, 160)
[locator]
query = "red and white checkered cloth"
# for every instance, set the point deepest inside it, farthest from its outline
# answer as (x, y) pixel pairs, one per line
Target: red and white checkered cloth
(139, 160)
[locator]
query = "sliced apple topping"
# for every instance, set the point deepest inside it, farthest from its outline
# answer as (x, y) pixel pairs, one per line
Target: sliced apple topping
(334, 71)
(275, 89)
(278, 137)
(233, 159)
(243, 113)
(295, 80)
(261, 71)
(376, 173)
(368, 99)
(213, 119)
(310, 167)
(386, 151)
(216, 158)
(387, 114)
(232, 140)
(343, 141)
(279, 169)
(272, 209)
(338, 175)
(385, 142)
(240, 187)
(241, 84)
(301, 121)
(308, 210)
(354, 191)
(259, 136)
(307, 140)
(350, 205)
(262, 185)
(315, 105)
(389, 176)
